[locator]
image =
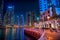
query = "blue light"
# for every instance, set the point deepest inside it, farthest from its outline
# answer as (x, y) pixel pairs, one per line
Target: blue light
(10, 7)
(37, 18)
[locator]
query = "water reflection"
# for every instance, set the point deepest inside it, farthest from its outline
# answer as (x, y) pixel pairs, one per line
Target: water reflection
(2, 34)
(18, 34)
(14, 34)
(8, 35)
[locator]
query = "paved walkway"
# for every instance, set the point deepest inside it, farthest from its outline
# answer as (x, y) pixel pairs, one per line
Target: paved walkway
(52, 35)
(47, 34)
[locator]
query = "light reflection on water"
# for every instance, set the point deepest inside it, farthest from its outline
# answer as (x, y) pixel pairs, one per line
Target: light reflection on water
(14, 34)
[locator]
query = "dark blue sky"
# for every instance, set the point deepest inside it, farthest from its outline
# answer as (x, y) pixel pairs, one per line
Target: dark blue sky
(23, 6)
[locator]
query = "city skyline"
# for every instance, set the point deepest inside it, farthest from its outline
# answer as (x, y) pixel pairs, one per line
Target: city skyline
(29, 20)
(26, 6)
(21, 7)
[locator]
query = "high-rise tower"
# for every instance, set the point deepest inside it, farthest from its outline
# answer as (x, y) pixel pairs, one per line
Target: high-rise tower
(9, 15)
(45, 4)
(1, 12)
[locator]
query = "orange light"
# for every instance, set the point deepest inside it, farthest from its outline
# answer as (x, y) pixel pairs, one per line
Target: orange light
(48, 17)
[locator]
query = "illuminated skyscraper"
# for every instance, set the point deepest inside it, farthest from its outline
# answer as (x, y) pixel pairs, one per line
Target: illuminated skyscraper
(56, 3)
(9, 16)
(12, 16)
(10, 11)
(30, 18)
(45, 4)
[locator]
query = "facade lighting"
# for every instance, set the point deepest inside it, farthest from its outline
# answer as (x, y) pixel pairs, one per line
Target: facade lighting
(48, 17)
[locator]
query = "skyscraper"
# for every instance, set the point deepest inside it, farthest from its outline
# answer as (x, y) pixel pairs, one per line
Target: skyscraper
(1, 12)
(6, 19)
(45, 4)
(9, 16)
(56, 3)
(30, 18)
(10, 11)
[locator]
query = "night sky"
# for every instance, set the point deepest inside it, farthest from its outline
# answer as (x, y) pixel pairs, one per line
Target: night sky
(23, 6)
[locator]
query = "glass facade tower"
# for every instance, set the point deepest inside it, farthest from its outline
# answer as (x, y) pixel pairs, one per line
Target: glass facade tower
(45, 4)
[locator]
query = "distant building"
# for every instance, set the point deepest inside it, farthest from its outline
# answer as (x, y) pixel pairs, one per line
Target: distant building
(1, 12)
(30, 18)
(6, 19)
(16, 20)
(9, 15)
(33, 17)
